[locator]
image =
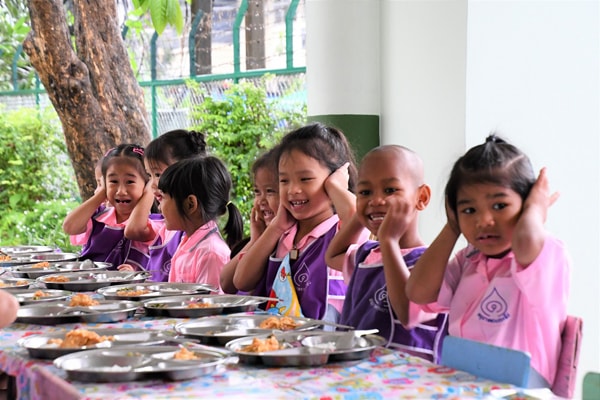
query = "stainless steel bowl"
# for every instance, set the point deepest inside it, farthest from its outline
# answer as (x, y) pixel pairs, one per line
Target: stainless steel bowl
(32, 271)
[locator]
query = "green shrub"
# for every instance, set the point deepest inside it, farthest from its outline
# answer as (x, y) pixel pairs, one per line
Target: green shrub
(37, 182)
(242, 125)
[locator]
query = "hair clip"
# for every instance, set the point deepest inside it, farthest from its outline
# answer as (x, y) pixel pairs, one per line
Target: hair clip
(138, 150)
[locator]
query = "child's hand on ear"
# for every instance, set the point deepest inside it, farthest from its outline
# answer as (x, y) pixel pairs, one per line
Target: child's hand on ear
(395, 223)
(283, 219)
(338, 179)
(257, 223)
(452, 219)
(539, 197)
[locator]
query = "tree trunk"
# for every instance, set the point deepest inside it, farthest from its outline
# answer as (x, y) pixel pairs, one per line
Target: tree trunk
(203, 36)
(92, 86)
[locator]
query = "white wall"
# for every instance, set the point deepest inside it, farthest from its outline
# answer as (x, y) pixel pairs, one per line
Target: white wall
(453, 71)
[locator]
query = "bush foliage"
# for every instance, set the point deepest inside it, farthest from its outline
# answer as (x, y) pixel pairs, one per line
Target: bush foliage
(37, 182)
(242, 125)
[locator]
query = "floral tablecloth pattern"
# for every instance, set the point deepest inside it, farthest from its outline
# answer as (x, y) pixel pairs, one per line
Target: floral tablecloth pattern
(386, 374)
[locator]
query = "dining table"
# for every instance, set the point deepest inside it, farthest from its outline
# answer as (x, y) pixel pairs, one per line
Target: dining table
(383, 373)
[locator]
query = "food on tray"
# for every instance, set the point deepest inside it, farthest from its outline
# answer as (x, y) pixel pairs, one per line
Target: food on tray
(132, 292)
(40, 294)
(199, 305)
(83, 300)
(5, 257)
(79, 338)
(282, 323)
(259, 345)
(57, 278)
(17, 283)
(43, 264)
(185, 354)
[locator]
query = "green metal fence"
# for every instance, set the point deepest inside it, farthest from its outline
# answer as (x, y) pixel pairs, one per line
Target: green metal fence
(169, 62)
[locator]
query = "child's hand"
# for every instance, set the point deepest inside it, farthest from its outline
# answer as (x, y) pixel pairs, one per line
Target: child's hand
(257, 223)
(396, 220)
(539, 197)
(338, 179)
(125, 267)
(283, 219)
(452, 219)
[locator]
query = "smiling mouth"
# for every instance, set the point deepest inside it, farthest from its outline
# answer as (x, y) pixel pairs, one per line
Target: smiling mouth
(298, 203)
(122, 201)
(376, 217)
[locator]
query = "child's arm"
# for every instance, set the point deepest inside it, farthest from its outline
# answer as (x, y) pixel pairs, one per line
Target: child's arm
(529, 235)
(253, 264)
(257, 227)
(396, 272)
(76, 221)
(336, 186)
(349, 233)
(138, 225)
(9, 306)
(426, 277)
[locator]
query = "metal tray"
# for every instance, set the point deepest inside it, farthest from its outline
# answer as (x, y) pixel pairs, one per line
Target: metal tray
(16, 250)
(89, 281)
(33, 272)
(37, 345)
(27, 296)
(215, 304)
(219, 330)
(16, 261)
(53, 257)
(129, 363)
(308, 348)
(15, 285)
(60, 313)
(156, 289)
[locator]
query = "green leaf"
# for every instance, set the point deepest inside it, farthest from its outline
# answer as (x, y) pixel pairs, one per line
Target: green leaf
(174, 15)
(159, 13)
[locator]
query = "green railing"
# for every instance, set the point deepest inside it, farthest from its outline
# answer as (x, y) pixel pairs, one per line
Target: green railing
(154, 86)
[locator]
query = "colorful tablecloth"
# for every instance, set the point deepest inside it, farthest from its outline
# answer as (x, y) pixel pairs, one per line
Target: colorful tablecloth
(386, 374)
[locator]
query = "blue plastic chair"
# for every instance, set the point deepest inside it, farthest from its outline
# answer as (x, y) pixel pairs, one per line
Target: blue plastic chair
(496, 363)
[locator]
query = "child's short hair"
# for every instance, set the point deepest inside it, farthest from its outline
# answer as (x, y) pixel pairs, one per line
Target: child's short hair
(496, 162)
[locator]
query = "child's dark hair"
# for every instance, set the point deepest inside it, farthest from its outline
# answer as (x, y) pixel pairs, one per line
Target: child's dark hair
(326, 144)
(208, 179)
(496, 162)
(176, 145)
(267, 160)
(133, 154)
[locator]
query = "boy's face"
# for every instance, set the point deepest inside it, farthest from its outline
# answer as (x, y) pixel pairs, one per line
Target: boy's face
(382, 175)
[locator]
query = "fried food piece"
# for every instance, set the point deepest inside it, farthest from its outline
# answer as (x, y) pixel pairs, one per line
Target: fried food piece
(132, 292)
(57, 278)
(5, 257)
(80, 338)
(82, 300)
(43, 264)
(199, 305)
(259, 345)
(40, 294)
(185, 354)
(281, 323)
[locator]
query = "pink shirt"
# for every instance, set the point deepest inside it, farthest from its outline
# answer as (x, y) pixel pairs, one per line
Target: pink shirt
(374, 259)
(499, 302)
(109, 218)
(200, 257)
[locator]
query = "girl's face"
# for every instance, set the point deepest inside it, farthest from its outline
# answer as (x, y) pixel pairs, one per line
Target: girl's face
(382, 177)
(266, 193)
(124, 187)
(155, 170)
(487, 216)
(173, 219)
(301, 189)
